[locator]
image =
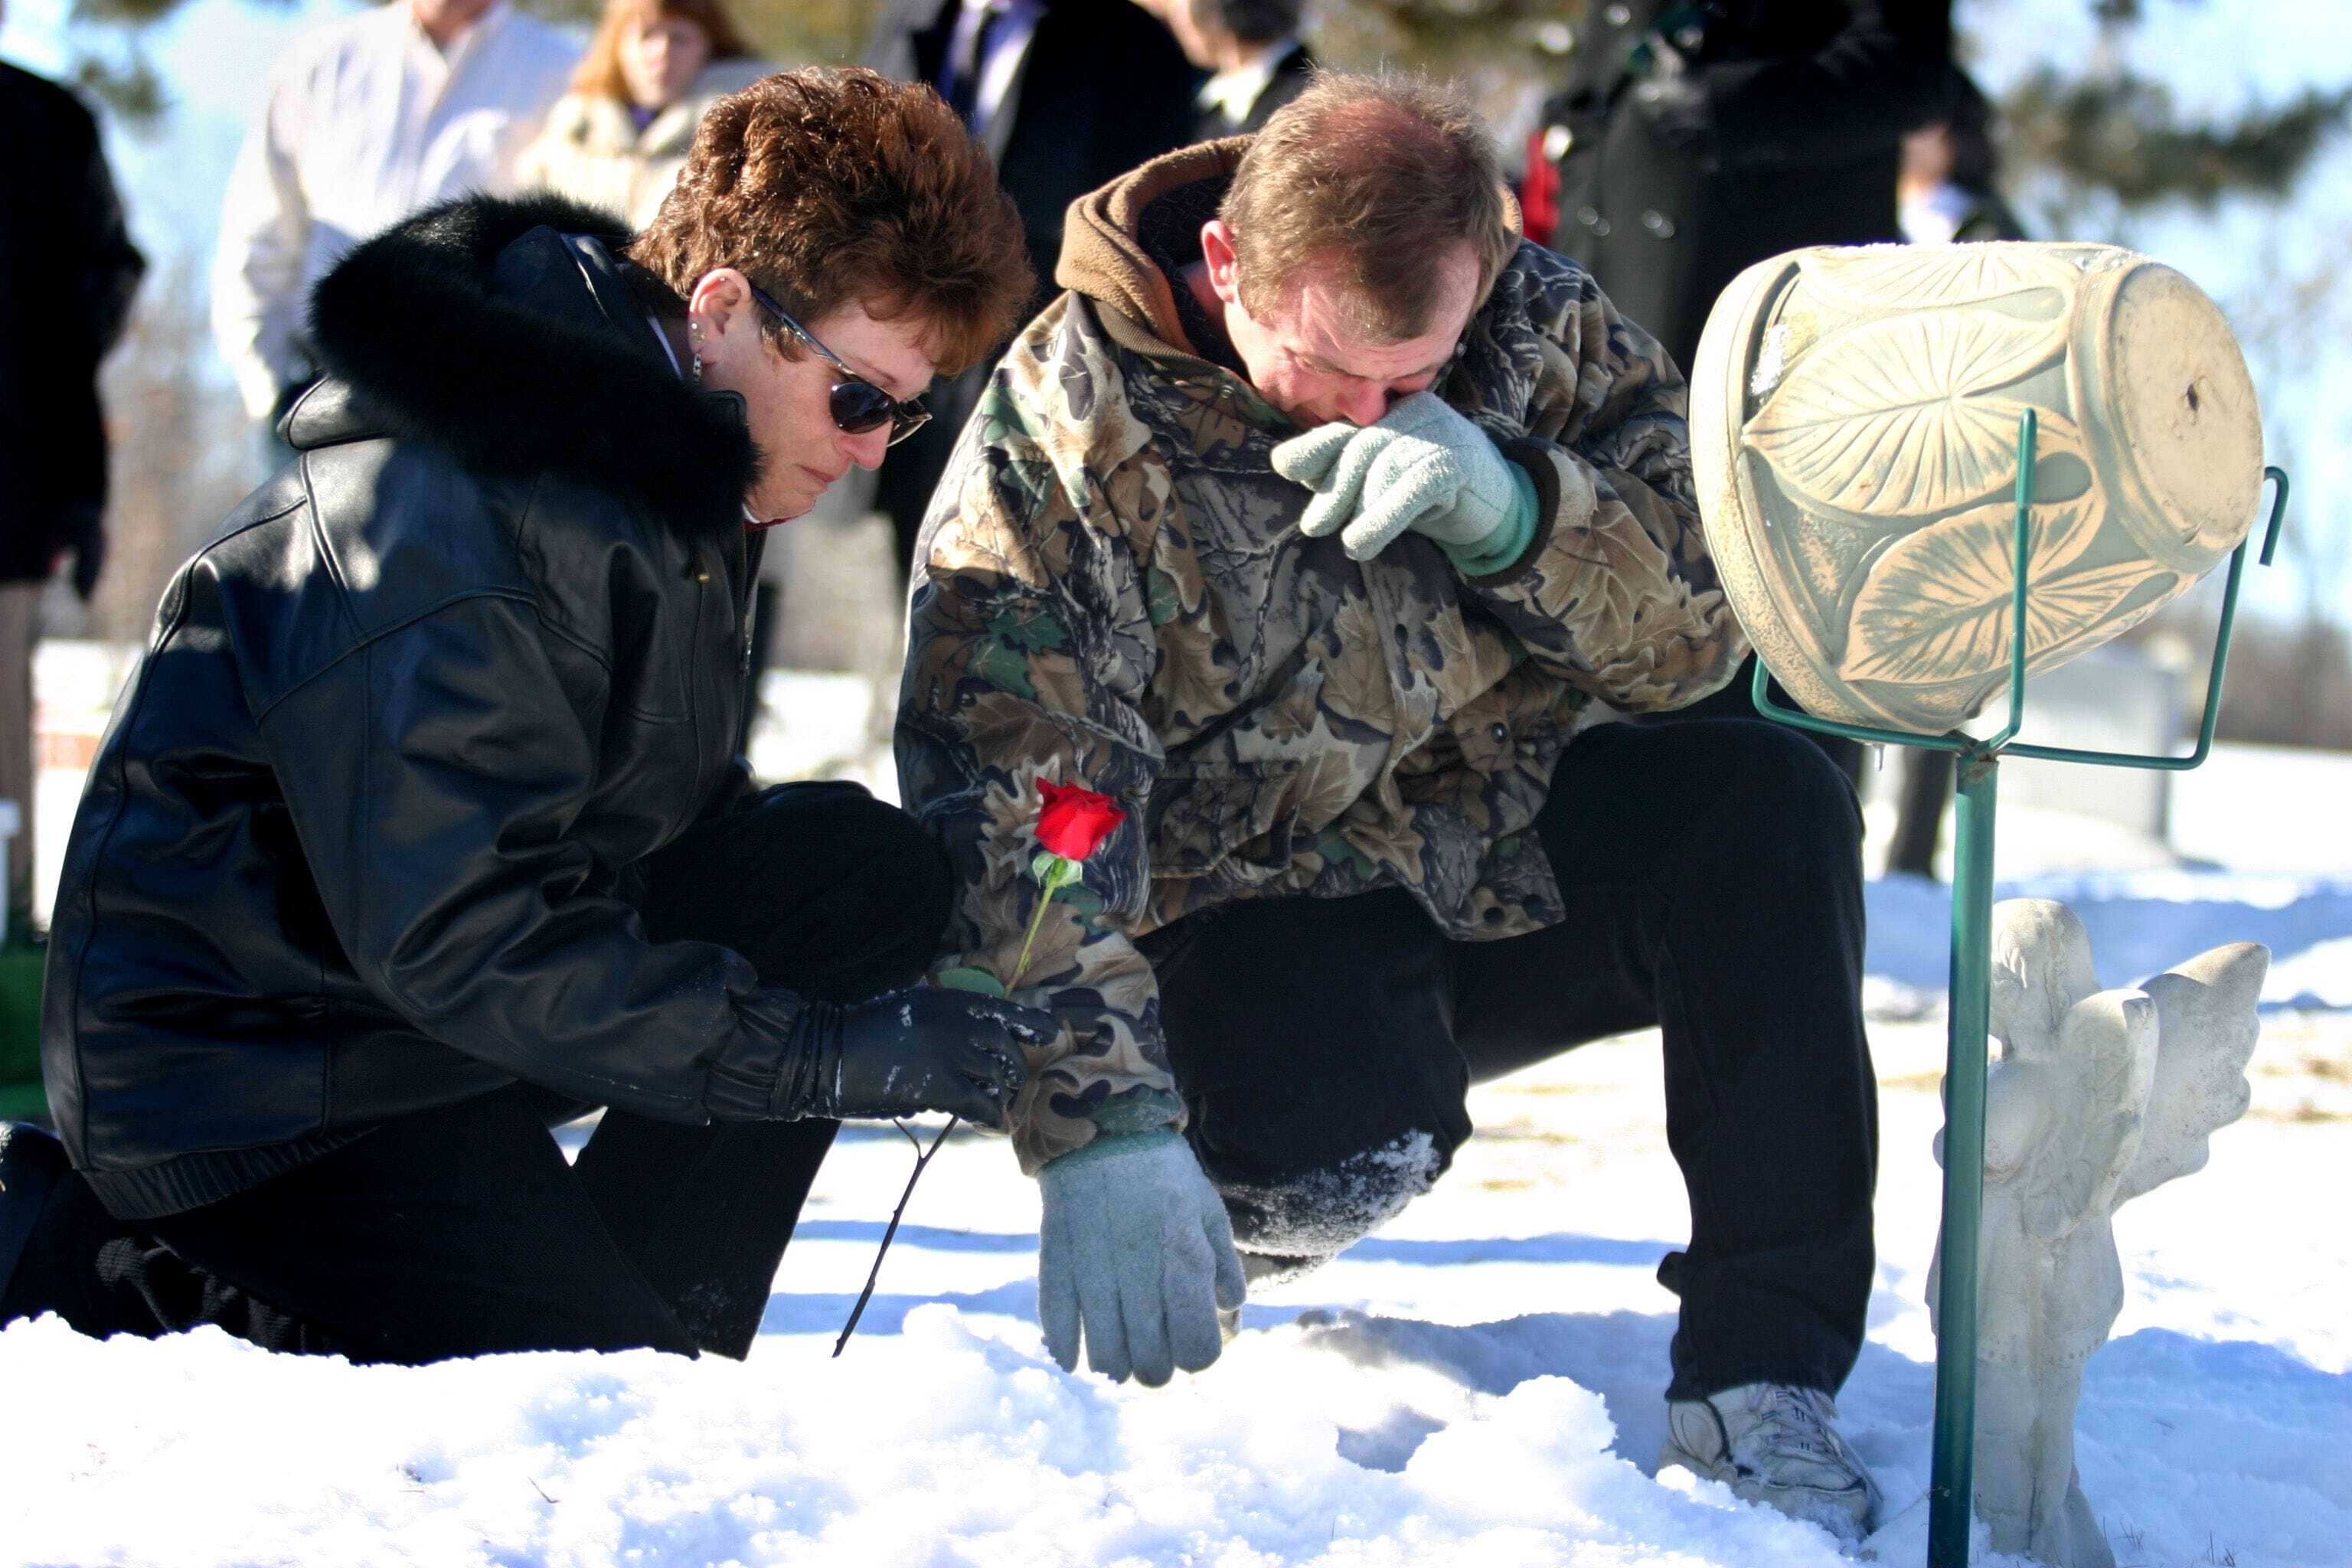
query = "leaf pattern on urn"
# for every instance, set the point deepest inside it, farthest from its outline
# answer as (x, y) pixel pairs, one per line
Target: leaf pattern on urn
(1854, 425)
(1936, 606)
(1865, 277)
(1890, 417)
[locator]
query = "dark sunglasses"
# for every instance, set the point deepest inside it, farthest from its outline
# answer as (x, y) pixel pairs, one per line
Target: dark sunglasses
(858, 405)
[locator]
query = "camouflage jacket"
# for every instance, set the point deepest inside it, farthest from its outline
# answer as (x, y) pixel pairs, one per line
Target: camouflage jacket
(1112, 593)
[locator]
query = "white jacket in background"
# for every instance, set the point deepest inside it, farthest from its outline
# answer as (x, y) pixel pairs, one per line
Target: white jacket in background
(593, 151)
(366, 121)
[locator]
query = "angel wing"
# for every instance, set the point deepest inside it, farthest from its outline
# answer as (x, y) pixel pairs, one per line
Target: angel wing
(2209, 1022)
(2017, 1116)
(2040, 968)
(2104, 1065)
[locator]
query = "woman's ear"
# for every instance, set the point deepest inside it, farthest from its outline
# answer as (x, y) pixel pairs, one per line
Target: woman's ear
(719, 305)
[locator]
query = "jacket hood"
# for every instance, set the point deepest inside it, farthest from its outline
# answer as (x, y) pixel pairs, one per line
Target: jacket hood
(1104, 256)
(503, 332)
(1105, 253)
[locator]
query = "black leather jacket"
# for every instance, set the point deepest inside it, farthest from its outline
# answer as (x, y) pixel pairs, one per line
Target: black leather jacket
(352, 846)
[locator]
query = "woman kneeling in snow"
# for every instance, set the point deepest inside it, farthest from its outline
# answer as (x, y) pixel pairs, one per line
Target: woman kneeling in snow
(420, 827)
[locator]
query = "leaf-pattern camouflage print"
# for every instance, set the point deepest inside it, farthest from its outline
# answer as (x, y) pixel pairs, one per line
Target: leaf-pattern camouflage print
(1114, 595)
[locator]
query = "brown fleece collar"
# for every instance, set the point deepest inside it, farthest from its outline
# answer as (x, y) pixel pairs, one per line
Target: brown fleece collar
(1102, 259)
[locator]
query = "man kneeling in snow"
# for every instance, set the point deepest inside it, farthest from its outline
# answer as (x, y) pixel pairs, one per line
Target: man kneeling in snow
(1307, 524)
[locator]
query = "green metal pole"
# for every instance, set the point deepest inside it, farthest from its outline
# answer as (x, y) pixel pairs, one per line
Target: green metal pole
(1951, 1496)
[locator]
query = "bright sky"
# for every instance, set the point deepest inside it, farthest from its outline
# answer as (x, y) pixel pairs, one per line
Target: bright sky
(214, 57)
(2218, 55)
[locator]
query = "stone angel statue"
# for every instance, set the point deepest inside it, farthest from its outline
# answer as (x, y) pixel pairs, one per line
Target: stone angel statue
(2098, 1097)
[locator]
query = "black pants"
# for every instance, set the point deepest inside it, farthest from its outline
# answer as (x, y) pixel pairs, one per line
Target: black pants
(1737, 700)
(1712, 877)
(461, 1230)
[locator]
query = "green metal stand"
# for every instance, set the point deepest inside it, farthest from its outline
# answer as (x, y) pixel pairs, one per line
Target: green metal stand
(1977, 763)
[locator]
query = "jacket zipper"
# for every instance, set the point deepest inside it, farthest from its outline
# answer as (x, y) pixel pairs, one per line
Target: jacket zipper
(755, 549)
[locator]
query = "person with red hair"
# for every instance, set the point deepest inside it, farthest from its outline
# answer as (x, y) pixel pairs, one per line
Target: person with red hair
(618, 139)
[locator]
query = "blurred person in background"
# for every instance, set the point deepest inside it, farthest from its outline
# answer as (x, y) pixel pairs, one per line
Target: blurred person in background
(1255, 50)
(1691, 139)
(420, 827)
(1949, 185)
(1948, 190)
(67, 271)
(369, 119)
(617, 140)
(1065, 95)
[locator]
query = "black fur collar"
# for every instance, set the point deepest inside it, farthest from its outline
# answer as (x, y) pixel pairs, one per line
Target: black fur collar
(517, 366)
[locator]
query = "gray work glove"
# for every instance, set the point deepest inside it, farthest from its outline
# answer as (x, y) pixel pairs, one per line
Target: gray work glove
(1421, 467)
(1136, 1246)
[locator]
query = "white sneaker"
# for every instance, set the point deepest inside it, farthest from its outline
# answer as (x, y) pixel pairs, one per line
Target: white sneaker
(1773, 1443)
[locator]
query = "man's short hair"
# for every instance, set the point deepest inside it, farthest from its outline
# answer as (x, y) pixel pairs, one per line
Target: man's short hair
(1378, 175)
(1254, 21)
(840, 187)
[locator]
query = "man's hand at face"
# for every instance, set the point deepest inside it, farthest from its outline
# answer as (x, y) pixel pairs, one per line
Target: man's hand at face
(1424, 468)
(1136, 1247)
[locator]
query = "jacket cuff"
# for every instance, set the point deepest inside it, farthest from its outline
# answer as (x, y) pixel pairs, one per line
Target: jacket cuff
(1542, 463)
(732, 1093)
(737, 791)
(1111, 1145)
(1501, 550)
(1136, 1110)
(761, 1079)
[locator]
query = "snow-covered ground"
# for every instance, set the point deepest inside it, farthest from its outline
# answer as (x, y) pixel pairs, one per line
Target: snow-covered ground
(1478, 1384)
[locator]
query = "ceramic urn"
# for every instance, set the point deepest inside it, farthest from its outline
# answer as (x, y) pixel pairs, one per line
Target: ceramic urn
(1853, 424)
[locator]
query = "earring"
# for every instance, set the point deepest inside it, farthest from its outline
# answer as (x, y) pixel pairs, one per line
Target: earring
(693, 330)
(697, 367)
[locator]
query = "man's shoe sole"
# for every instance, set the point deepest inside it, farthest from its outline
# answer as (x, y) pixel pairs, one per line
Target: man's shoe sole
(1846, 1513)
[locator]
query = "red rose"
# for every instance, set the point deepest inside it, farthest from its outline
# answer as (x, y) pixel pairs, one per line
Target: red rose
(1075, 821)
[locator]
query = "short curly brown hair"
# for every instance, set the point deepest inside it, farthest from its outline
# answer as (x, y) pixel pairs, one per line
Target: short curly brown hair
(842, 187)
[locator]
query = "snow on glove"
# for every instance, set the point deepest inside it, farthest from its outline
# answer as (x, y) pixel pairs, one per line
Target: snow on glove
(1421, 467)
(1135, 1247)
(907, 1052)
